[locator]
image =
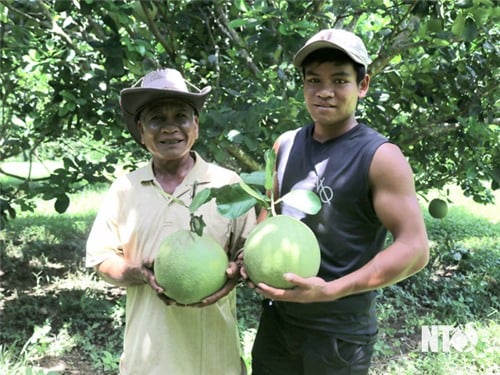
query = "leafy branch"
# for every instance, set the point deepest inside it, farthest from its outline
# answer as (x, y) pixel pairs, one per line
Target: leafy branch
(236, 199)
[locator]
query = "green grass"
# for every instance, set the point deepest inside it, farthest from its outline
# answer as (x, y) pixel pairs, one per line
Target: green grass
(459, 287)
(35, 170)
(57, 317)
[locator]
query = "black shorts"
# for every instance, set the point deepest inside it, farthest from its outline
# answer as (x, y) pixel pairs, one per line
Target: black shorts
(283, 349)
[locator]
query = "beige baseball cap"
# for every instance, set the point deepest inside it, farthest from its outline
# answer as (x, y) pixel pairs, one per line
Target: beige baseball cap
(339, 39)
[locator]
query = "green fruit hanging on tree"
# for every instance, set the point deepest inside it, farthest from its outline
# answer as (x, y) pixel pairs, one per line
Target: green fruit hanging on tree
(438, 208)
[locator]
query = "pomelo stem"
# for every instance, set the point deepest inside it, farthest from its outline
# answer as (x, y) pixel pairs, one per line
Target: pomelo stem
(273, 210)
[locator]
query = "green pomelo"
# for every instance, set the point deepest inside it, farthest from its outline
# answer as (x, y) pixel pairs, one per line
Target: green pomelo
(278, 245)
(438, 208)
(190, 267)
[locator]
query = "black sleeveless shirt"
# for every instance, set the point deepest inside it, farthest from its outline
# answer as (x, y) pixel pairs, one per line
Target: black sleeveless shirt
(347, 228)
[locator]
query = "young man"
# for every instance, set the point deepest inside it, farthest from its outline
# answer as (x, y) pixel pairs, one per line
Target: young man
(327, 324)
(140, 210)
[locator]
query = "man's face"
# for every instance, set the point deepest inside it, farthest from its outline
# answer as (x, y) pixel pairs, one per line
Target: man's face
(168, 128)
(331, 92)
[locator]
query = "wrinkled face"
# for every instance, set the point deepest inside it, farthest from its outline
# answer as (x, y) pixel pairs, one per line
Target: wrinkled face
(168, 128)
(331, 92)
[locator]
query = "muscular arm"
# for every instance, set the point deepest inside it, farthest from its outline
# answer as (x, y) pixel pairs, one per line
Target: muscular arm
(397, 207)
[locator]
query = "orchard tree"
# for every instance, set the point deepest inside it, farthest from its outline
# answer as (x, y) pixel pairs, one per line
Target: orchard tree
(434, 91)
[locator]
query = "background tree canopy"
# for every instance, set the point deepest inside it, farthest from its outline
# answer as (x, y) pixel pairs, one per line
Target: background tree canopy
(434, 88)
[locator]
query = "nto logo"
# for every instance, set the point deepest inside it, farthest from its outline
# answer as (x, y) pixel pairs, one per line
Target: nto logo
(439, 338)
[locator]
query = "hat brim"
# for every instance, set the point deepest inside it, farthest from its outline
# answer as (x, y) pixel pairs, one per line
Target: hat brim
(134, 99)
(314, 46)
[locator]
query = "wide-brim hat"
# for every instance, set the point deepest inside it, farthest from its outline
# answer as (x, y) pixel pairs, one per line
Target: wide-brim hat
(339, 39)
(159, 84)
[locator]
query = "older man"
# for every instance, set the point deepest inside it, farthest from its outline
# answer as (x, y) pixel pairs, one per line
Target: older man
(141, 208)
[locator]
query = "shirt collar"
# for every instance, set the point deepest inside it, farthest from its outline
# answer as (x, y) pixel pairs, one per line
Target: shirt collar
(197, 175)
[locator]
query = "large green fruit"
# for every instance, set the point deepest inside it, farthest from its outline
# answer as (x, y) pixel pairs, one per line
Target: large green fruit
(438, 208)
(190, 267)
(278, 245)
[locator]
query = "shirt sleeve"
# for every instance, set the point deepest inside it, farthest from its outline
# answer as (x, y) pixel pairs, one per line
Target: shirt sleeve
(104, 241)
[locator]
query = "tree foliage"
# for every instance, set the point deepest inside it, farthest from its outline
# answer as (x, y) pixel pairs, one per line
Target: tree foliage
(434, 88)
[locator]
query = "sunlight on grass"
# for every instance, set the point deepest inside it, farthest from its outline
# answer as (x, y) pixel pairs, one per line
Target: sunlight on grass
(34, 170)
(87, 202)
(44, 343)
(84, 203)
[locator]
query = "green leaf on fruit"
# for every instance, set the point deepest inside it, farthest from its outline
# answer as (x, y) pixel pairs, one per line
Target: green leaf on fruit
(257, 178)
(233, 201)
(303, 200)
(261, 198)
(200, 199)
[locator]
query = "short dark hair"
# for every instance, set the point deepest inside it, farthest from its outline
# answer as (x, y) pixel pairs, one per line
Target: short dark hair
(331, 54)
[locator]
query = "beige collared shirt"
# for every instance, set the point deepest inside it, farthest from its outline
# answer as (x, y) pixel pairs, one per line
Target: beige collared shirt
(135, 216)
